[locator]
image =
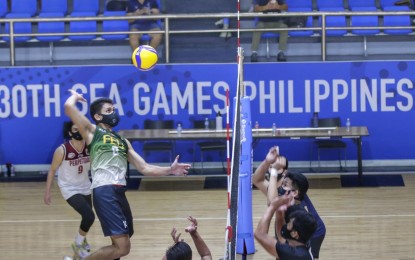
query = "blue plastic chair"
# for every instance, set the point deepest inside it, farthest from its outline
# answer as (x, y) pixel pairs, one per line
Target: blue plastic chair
(267, 36)
(364, 21)
(361, 3)
(3, 8)
(24, 7)
(52, 9)
(329, 4)
(51, 27)
(18, 27)
(396, 20)
(309, 23)
(82, 26)
(114, 26)
(389, 3)
(302, 4)
(85, 6)
(54, 6)
(335, 21)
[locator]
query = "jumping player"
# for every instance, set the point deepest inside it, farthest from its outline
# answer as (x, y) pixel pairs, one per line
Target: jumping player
(110, 154)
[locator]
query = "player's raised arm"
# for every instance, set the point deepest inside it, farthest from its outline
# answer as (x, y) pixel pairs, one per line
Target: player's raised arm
(86, 128)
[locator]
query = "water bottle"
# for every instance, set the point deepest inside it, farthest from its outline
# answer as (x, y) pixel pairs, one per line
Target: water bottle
(218, 121)
(206, 123)
(348, 125)
(179, 129)
(274, 129)
(315, 119)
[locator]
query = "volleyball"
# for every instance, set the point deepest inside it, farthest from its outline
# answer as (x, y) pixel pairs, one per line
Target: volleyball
(144, 57)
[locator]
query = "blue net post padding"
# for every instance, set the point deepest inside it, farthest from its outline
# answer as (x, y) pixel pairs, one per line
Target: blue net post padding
(245, 236)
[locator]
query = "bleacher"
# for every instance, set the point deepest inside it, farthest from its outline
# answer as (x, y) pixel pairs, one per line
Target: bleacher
(94, 47)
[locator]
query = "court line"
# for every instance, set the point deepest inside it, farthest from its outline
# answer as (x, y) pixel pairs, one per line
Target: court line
(204, 218)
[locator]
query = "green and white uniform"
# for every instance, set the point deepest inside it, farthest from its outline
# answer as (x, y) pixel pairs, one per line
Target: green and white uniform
(108, 152)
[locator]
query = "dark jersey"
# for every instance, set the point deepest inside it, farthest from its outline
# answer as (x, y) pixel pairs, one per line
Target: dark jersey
(287, 252)
(134, 5)
(270, 19)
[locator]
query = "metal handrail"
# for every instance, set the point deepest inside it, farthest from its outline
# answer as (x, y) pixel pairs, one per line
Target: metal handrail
(168, 17)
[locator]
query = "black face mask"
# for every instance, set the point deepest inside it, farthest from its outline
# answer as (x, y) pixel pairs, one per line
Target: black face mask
(281, 191)
(112, 119)
(76, 135)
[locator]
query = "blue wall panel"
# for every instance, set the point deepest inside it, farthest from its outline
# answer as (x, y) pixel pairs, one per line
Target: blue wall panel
(379, 95)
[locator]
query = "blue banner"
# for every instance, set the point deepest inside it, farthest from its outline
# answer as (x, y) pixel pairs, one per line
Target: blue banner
(379, 95)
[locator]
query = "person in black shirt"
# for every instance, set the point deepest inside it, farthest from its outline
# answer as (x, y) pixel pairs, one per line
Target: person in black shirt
(291, 238)
(270, 6)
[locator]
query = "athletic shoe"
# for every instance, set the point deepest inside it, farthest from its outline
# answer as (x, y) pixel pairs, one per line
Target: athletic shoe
(86, 245)
(67, 258)
(79, 251)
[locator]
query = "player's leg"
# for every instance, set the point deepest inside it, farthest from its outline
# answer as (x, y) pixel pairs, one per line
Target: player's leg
(120, 247)
(108, 202)
(83, 205)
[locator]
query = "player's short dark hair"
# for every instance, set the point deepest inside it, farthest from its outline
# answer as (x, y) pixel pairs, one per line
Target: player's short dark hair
(304, 223)
(290, 211)
(300, 183)
(96, 106)
(67, 127)
(179, 251)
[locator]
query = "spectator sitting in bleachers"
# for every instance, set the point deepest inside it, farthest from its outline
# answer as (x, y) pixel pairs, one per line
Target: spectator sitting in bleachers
(270, 6)
(144, 7)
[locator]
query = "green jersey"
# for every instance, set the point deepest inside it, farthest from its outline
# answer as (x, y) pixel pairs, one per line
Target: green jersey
(108, 153)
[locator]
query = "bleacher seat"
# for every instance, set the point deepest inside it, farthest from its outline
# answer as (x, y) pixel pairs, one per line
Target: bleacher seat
(85, 6)
(396, 20)
(309, 22)
(391, 3)
(115, 25)
(20, 27)
(3, 8)
(82, 26)
(54, 6)
(24, 7)
(361, 3)
(300, 4)
(51, 27)
(326, 5)
(52, 9)
(364, 21)
(335, 21)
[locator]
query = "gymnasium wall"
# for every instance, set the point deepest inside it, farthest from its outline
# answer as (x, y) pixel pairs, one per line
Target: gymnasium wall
(379, 95)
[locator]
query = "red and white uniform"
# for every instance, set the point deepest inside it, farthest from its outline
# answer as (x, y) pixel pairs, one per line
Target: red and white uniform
(73, 172)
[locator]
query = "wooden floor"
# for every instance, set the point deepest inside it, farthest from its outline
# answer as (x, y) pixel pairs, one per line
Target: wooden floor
(362, 223)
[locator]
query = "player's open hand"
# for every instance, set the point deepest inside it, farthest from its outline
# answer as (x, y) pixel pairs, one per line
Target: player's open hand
(179, 169)
(193, 225)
